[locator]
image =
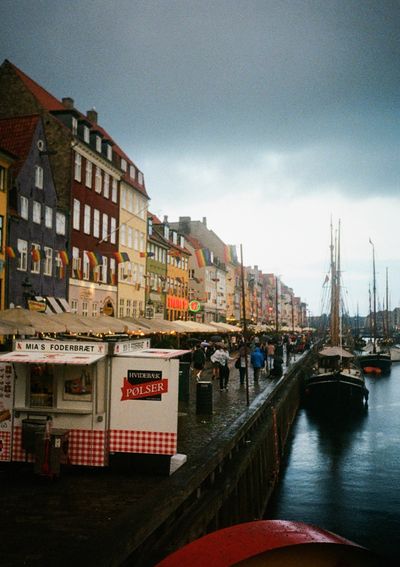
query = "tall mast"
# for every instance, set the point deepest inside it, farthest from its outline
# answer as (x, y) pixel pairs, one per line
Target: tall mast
(373, 295)
(387, 304)
(333, 289)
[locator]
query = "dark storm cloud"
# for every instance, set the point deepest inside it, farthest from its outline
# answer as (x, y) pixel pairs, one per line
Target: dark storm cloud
(317, 79)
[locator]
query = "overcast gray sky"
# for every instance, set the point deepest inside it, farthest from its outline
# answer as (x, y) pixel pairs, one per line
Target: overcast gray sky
(267, 117)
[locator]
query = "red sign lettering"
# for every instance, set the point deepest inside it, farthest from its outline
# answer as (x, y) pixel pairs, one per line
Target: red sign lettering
(144, 390)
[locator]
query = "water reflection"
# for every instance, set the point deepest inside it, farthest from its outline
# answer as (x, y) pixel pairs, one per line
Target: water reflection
(343, 467)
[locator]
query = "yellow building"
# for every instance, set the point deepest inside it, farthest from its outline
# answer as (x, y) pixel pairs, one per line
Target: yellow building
(5, 163)
(132, 244)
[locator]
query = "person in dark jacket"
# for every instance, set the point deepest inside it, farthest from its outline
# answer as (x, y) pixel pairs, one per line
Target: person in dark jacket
(199, 361)
(257, 362)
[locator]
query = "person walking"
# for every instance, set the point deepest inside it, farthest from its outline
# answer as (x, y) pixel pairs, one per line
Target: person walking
(271, 354)
(241, 362)
(257, 362)
(198, 360)
(220, 360)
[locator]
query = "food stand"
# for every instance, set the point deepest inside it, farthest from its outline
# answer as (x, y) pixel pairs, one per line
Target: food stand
(144, 405)
(82, 402)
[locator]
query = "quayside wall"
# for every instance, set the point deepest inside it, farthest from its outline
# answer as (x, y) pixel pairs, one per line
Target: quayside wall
(229, 482)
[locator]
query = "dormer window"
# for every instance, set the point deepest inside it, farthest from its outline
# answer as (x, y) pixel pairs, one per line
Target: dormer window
(132, 172)
(166, 232)
(174, 237)
(107, 149)
(182, 241)
(38, 177)
(98, 144)
(124, 165)
(140, 177)
(86, 134)
(150, 226)
(74, 126)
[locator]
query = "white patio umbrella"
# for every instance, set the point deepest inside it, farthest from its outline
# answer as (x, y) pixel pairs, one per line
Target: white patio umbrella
(7, 328)
(38, 321)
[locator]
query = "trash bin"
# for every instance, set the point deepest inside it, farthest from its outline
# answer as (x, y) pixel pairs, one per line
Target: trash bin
(184, 378)
(204, 398)
(50, 452)
(30, 427)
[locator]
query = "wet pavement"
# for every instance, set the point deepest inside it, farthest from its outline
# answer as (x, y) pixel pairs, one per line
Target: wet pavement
(46, 522)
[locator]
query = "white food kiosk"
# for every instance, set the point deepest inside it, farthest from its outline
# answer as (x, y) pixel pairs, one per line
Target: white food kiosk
(80, 402)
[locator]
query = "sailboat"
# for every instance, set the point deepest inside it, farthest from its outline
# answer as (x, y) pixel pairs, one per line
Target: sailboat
(374, 358)
(336, 376)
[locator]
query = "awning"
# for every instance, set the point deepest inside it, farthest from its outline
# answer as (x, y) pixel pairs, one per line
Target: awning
(51, 358)
(54, 305)
(165, 353)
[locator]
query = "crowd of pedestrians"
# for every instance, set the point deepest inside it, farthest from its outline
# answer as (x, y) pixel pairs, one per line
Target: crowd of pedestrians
(260, 356)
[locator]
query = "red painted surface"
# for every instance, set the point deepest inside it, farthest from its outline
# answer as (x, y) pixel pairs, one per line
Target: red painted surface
(243, 541)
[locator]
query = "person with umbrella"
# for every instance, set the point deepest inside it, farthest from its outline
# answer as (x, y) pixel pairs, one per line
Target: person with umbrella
(220, 359)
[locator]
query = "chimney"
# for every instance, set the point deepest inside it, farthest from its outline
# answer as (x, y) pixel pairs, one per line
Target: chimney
(68, 102)
(92, 115)
(205, 221)
(165, 219)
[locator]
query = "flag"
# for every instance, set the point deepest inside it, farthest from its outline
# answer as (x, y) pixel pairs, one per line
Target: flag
(10, 252)
(118, 257)
(92, 259)
(146, 254)
(201, 260)
(42, 253)
(35, 254)
(113, 277)
(64, 257)
(125, 256)
(227, 254)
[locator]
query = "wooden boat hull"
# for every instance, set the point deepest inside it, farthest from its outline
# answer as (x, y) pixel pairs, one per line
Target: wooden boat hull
(331, 388)
(379, 360)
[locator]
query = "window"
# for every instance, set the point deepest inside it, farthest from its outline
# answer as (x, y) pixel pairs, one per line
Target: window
(60, 222)
(74, 306)
(121, 307)
(113, 230)
(86, 134)
(76, 263)
(136, 240)
(78, 167)
(86, 266)
(35, 254)
(37, 211)
(112, 272)
(106, 185)
(96, 223)
(88, 178)
(123, 197)
(104, 268)
(122, 234)
(74, 126)
(48, 262)
(98, 144)
(104, 233)
(3, 178)
(114, 194)
(41, 385)
(95, 309)
(109, 152)
(129, 204)
(124, 165)
(86, 219)
(24, 208)
(84, 308)
(76, 215)
(38, 176)
(128, 307)
(132, 172)
(130, 237)
(140, 177)
(150, 226)
(97, 183)
(142, 241)
(48, 217)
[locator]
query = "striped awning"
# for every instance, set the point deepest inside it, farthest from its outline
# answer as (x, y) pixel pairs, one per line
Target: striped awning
(55, 304)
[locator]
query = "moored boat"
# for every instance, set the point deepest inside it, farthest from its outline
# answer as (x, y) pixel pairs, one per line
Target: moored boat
(336, 377)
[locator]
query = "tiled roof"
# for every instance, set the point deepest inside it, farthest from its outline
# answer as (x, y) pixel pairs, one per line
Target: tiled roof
(52, 104)
(47, 100)
(16, 136)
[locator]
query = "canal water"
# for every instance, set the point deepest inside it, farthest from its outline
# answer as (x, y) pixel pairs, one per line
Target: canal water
(342, 472)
